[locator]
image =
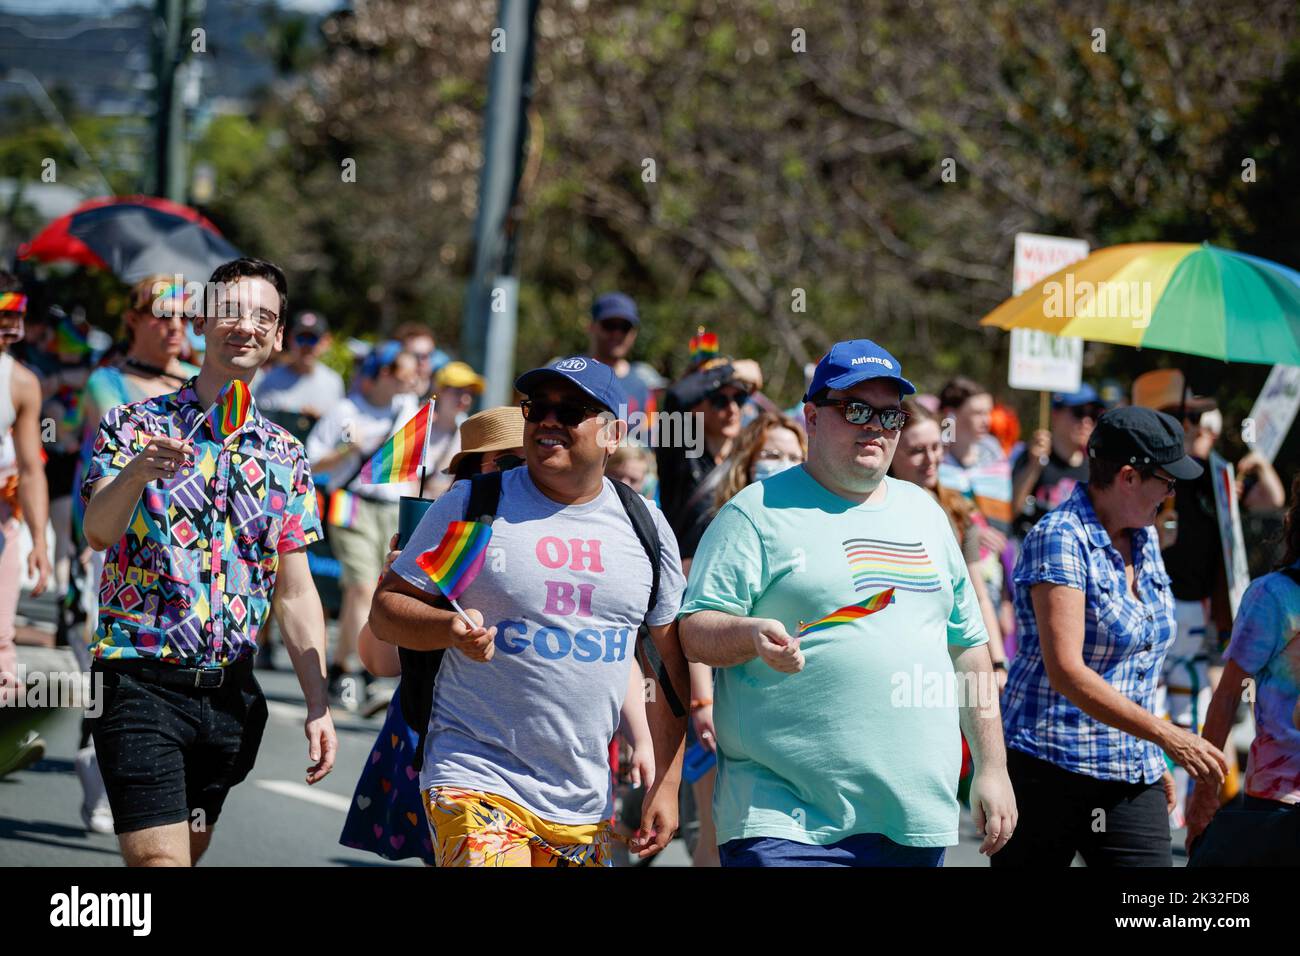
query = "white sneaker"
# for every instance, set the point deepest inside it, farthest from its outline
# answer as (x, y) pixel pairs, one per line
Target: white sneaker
(95, 811)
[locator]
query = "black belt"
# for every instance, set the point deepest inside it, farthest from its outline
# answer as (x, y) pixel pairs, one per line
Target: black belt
(175, 675)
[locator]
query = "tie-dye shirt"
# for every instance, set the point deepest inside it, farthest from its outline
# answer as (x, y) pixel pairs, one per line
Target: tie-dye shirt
(191, 580)
(1266, 644)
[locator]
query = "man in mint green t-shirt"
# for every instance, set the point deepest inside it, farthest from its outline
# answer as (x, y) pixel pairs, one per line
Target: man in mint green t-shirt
(842, 746)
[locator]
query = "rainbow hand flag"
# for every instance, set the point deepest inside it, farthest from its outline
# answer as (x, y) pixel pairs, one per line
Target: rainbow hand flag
(853, 612)
(402, 455)
(704, 345)
(458, 559)
(69, 344)
(231, 411)
(13, 302)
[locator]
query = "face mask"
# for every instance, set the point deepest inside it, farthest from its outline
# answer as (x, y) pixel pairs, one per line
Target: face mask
(766, 468)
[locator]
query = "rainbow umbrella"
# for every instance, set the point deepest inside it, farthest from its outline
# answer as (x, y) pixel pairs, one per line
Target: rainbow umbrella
(1178, 297)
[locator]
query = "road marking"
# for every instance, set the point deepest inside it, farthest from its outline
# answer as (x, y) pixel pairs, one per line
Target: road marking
(287, 788)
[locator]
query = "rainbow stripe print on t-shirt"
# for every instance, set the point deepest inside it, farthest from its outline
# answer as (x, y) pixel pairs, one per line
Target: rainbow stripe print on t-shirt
(875, 563)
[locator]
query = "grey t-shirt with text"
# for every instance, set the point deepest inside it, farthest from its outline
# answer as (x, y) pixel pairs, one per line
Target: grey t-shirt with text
(566, 588)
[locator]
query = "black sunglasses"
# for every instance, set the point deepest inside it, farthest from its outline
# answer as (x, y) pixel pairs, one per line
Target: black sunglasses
(860, 413)
(721, 399)
(616, 325)
(1087, 411)
(568, 414)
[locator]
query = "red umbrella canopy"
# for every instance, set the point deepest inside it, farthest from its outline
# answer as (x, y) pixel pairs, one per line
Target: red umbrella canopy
(60, 240)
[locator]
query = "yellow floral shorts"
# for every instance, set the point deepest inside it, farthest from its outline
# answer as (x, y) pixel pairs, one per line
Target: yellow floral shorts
(471, 828)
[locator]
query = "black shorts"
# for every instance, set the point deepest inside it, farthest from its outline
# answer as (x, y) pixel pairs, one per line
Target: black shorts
(168, 753)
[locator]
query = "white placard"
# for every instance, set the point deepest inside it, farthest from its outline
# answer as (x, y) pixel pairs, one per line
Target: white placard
(1273, 412)
(1234, 543)
(1040, 361)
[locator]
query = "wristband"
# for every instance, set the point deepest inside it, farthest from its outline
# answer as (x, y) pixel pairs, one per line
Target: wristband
(698, 702)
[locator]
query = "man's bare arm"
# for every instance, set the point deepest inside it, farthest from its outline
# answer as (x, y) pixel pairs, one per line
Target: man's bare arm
(725, 640)
(405, 616)
(302, 624)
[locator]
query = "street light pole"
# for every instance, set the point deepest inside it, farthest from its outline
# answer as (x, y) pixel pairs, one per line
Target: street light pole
(491, 301)
(169, 118)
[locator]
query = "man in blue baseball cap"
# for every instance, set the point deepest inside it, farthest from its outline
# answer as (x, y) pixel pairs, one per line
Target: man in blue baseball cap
(1054, 461)
(830, 597)
(516, 763)
(612, 333)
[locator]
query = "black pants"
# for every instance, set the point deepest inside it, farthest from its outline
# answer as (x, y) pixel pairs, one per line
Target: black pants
(167, 752)
(1109, 823)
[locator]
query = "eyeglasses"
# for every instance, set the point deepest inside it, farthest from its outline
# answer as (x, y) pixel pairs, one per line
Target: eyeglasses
(568, 414)
(1170, 483)
(306, 340)
(860, 413)
(616, 325)
(721, 399)
(263, 321)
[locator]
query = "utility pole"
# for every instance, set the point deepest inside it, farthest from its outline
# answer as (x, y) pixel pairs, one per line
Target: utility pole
(169, 119)
(491, 302)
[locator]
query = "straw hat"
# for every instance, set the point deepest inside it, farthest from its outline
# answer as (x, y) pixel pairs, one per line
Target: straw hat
(1165, 389)
(496, 429)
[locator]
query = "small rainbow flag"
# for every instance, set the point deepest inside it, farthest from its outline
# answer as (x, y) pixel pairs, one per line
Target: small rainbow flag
(703, 345)
(69, 343)
(458, 559)
(402, 455)
(232, 408)
(853, 612)
(13, 302)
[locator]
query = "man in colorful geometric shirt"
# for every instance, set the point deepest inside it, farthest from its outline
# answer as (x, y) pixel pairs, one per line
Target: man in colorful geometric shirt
(205, 535)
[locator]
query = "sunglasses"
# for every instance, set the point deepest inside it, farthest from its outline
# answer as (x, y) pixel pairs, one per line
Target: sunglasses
(616, 325)
(1087, 411)
(860, 413)
(568, 414)
(306, 340)
(506, 462)
(721, 399)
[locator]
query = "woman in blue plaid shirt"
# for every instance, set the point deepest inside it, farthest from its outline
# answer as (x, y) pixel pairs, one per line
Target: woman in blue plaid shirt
(1095, 617)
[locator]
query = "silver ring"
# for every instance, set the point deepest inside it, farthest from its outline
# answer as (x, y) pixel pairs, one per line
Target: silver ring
(706, 735)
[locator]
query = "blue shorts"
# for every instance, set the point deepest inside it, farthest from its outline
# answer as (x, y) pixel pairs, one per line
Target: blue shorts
(862, 849)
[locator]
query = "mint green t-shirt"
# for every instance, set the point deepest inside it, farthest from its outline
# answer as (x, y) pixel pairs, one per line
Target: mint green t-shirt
(865, 739)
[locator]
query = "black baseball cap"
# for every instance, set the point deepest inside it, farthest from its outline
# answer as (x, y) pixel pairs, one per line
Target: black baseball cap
(1143, 438)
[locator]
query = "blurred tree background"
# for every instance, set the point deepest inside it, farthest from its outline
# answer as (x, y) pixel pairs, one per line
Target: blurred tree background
(797, 151)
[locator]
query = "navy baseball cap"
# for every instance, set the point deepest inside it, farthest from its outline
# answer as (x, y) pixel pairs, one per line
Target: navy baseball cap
(615, 305)
(1142, 437)
(595, 378)
(854, 361)
(381, 357)
(1086, 395)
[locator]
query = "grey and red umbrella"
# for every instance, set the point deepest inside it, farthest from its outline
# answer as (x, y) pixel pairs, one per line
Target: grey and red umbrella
(133, 237)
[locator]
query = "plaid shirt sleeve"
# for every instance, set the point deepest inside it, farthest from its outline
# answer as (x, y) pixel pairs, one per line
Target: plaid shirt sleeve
(1053, 553)
(301, 516)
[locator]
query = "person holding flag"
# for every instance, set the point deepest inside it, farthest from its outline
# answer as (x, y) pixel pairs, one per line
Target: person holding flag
(205, 509)
(363, 496)
(537, 654)
(836, 606)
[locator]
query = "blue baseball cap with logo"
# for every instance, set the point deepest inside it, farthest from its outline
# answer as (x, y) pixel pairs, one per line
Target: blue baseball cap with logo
(854, 361)
(595, 378)
(615, 305)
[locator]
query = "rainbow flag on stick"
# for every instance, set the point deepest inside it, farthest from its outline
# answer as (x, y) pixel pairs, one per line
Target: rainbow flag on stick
(845, 615)
(229, 413)
(69, 344)
(402, 456)
(457, 560)
(704, 345)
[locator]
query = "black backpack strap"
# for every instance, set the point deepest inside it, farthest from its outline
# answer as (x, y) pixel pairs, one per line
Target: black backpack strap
(648, 534)
(420, 668)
